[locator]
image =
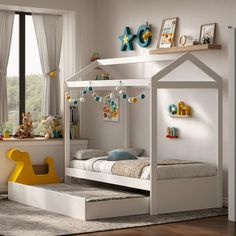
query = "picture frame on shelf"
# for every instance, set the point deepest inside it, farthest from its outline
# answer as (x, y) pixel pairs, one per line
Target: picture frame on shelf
(167, 33)
(207, 33)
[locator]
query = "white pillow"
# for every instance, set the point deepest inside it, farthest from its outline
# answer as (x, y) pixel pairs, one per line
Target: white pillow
(88, 154)
(134, 151)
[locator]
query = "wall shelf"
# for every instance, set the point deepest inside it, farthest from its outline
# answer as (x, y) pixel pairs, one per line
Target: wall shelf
(171, 137)
(180, 116)
(199, 47)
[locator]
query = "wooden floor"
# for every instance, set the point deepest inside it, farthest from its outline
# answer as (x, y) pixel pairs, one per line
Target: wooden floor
(214, 226)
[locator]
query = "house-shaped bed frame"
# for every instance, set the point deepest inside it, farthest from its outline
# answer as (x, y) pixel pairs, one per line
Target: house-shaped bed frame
(165, 195)
(171, 195)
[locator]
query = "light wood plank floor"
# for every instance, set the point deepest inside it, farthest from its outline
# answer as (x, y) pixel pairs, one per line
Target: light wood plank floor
(214, 226)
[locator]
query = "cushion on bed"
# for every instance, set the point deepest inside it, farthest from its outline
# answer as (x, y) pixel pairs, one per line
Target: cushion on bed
(120, 155)
(134, 151)
(88, 154)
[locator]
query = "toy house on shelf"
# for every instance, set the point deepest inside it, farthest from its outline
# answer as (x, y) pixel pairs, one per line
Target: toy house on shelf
(181, 110)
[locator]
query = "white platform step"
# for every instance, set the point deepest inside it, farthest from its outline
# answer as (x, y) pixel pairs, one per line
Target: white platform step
(80, 201)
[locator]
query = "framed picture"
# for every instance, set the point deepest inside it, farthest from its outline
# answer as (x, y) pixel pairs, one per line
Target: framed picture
(167, 33)
(111, 110)
(207, 34)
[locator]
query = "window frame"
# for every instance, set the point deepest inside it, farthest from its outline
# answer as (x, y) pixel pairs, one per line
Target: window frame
(22, 75)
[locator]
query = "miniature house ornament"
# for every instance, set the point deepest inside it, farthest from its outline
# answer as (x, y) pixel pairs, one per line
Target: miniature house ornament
(183, 110)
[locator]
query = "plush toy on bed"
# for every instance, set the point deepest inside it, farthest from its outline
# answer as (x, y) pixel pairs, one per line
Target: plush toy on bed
(25, 130)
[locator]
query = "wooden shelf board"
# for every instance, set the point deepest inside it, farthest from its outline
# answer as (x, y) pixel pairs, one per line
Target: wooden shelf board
(180, 116)
(199, 47)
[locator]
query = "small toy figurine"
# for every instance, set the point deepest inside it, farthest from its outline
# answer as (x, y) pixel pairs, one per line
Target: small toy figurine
(171, 132)
(6, 133)
(51, 127)
(102, 76)
(183, 110)
(172, 109)
(95, 56)
(25, 130)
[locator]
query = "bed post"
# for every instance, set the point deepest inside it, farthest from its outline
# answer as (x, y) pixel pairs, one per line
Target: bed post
(127, 122)
(67, 139)
(220, 139)
(153, 147)
(232, 128)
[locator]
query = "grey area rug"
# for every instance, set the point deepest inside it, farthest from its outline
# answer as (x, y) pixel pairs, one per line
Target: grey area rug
(92, 192)
(18, 219)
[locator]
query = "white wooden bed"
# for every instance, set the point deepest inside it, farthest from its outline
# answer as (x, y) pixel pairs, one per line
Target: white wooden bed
(165, 195)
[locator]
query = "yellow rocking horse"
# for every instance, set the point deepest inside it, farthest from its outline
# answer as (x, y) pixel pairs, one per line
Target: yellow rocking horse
(25, 173)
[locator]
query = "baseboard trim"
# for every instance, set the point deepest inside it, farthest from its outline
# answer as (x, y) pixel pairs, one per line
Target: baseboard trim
(225, 201)
(3, 189)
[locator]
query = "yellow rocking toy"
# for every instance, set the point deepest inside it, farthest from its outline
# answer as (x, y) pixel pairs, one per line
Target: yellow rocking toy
(25, 172)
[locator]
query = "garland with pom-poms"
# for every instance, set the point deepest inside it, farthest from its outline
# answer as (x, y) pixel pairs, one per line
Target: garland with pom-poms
(112, 95)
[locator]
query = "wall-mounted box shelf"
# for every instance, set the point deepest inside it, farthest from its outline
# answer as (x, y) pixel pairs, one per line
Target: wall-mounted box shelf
(199, 47)
(180, 116)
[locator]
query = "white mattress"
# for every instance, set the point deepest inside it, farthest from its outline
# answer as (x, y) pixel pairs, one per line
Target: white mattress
(180, 171)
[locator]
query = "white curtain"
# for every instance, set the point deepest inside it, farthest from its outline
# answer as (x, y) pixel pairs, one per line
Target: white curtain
(6, 27)
(48, 30)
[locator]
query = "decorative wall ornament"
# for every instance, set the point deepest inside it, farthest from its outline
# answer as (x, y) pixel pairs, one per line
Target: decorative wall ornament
(111, 110)
(182, 40)
(144, 35)
(127, 40)
(119, 92)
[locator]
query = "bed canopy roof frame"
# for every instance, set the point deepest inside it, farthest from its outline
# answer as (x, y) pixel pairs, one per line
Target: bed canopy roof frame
(153, 83)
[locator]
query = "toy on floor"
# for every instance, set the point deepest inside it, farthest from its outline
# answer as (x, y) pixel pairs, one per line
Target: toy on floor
(25, 130)
(24, 171)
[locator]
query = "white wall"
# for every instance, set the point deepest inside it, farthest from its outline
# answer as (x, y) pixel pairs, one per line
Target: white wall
(112, 16)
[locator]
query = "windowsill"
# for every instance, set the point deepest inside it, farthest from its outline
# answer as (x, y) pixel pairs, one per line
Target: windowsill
(38, 141)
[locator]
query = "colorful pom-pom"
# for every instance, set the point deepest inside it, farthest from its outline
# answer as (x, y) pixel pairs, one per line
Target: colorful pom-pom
(75, 102)
(97, 98)
(90, 88)
(84, 92)
(130, 100)
(124, 96)
(82, 99)
(121, 92)
(134, 99)
(112, 95)
(142, 96)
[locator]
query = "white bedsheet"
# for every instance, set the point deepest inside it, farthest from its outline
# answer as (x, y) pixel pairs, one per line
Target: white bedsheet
(180, 171)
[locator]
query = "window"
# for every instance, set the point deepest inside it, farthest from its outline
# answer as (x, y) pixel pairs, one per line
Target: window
(24, 77)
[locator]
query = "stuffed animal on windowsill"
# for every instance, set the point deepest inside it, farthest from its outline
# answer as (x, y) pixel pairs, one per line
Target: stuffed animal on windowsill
(25, 130)
(51, 127)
